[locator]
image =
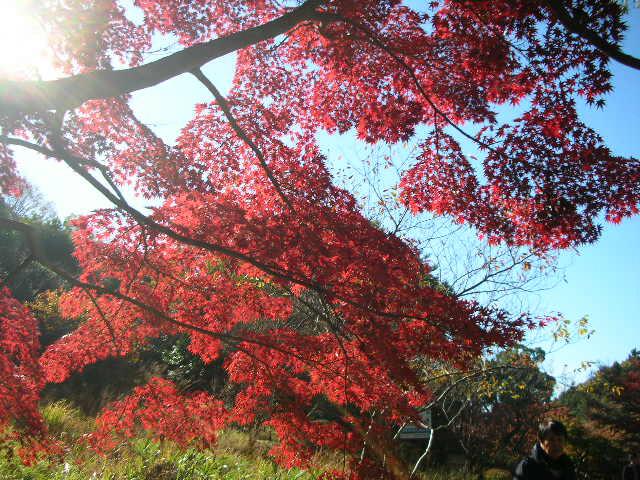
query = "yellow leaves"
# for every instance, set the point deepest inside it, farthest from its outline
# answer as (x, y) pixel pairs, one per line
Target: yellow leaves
(565, 332)
(599, 387)
(45, 305)
(617, 390)
(585, 365)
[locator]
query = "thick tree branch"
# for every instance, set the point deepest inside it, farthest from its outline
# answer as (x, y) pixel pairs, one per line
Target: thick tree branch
(577, 27)
(43, 150)
(66, 93)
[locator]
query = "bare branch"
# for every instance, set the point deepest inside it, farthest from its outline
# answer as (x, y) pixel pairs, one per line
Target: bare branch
(424, 454)
(489, 276)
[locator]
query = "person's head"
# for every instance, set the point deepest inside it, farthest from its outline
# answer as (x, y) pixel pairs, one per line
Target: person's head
(552, 435)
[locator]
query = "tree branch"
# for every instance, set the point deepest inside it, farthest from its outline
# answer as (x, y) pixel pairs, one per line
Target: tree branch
(231, 339)
(224, 105)
(75, 163)
(424, 454)
(577, 27)
(489, 276)
(67, 93)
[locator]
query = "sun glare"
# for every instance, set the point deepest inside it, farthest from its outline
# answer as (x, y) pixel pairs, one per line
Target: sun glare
(23, 42)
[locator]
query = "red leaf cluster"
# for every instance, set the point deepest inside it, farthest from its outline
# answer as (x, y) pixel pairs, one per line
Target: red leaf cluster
(160, 407)
(21, 378)
(249, 234)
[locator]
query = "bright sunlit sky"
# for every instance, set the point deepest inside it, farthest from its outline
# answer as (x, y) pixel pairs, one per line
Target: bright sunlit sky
(22, 41)
(601, 280)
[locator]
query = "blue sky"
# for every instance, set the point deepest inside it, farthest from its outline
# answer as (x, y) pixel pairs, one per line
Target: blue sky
(600, 280)
(603, 280)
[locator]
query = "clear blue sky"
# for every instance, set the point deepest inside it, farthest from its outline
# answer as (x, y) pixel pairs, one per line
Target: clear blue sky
(602, 280)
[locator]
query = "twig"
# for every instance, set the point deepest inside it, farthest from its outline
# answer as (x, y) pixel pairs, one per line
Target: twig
(224, 105)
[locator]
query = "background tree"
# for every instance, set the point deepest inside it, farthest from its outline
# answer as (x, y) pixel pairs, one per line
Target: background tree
(18, 266)
(489, 413)
(604, 412)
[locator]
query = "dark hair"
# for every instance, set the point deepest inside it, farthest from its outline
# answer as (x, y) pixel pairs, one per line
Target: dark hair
(551, 426)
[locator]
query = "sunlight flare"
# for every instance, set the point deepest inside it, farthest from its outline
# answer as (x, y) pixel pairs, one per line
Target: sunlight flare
(23, 42)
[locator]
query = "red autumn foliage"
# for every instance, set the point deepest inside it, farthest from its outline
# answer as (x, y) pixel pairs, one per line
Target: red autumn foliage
(22, 377)
(161, 408)
(248, 222)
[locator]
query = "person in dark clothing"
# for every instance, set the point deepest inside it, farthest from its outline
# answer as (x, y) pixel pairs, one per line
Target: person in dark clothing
(547, 460)
(632, 470)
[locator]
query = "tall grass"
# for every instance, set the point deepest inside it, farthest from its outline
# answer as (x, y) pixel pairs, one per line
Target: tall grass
(141, 458)
(144, 459)
(237, 456)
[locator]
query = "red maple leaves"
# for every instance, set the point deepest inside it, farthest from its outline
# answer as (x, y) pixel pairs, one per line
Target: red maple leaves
(255, 254)
(548, 177)
(21, 377)
(161, 408)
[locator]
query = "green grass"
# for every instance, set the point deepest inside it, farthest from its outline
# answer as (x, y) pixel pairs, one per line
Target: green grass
(143, 459)
(65, 422)
(237, 456)
(497, 474)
